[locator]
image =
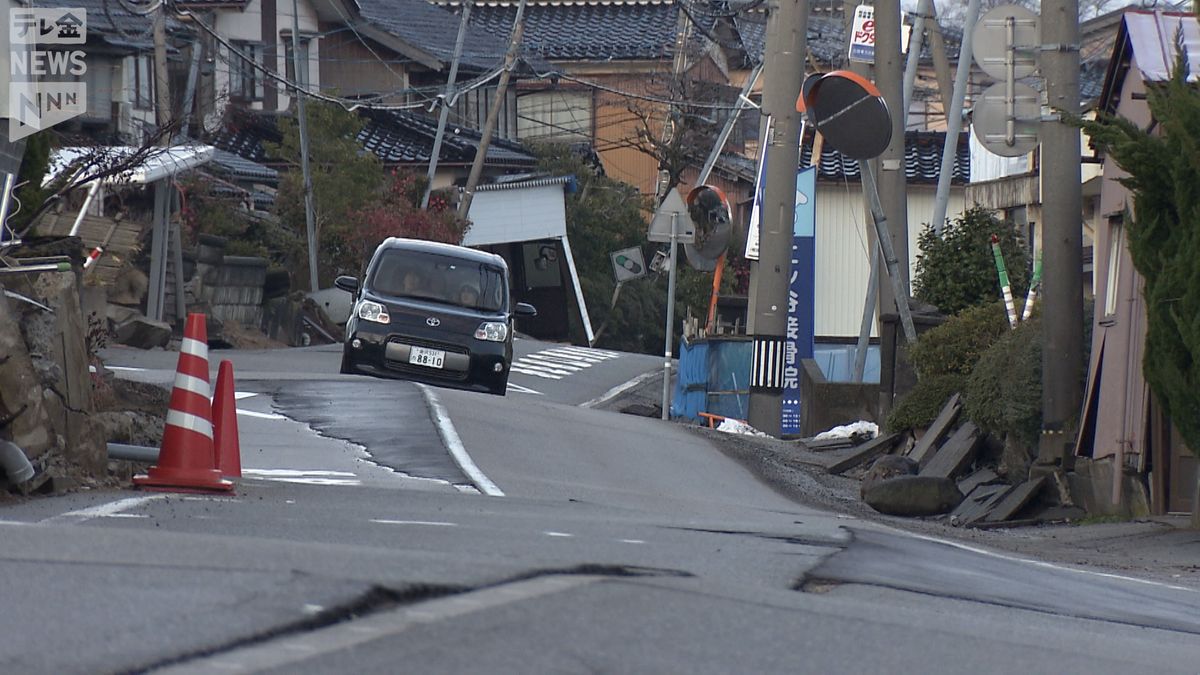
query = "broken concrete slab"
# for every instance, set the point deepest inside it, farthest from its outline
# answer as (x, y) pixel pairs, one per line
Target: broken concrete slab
(956, 454)
(1015, 500)
(827, 444)
(913, 496)
(980, 477)
(143, 333)
(847, 459)
(21, 404)
(942, 424)
(978, 503)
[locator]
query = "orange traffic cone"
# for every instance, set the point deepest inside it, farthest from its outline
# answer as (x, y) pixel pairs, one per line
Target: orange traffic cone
(225, 426)
(186, 460)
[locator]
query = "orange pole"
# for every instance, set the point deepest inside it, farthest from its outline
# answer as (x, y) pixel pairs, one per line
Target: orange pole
(716, 289)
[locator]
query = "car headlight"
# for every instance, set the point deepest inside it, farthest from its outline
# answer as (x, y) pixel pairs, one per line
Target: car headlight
(492, 331)
(373, 311)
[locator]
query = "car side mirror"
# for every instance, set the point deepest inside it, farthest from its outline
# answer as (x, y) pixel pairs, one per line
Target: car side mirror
(526, 309)
(347, 283)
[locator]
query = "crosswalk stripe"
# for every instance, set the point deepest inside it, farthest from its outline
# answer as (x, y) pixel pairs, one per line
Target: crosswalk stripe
(573, 366)
(518, 369)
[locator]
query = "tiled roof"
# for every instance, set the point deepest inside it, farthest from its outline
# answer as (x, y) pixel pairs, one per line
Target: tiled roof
(435, 30)
(923, 160)
(407, 138)
(395, 137)
(113, 24)
(237, 167)
(593, 30)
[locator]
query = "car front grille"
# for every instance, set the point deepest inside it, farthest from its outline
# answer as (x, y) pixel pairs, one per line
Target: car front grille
(423, 371)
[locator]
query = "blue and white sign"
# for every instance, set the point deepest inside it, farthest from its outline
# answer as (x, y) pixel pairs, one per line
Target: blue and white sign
(798, 338)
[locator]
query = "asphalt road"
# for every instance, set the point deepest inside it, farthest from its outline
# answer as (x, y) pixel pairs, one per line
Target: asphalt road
(382, 527)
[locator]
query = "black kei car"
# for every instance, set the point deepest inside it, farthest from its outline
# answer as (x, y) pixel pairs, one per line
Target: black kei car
(433, 313)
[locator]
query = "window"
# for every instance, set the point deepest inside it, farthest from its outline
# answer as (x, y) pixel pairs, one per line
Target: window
(290, 65)
(143, 82)
(1116, 247)
(558, 115)
(245, 79)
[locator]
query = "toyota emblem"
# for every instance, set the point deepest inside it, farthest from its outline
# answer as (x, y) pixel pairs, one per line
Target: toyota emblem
(433, 321)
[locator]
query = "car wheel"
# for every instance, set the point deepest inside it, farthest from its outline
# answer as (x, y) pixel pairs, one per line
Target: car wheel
(347, 363)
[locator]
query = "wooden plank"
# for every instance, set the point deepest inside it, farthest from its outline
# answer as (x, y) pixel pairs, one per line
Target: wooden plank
(979, 503)
(937, 430)
(1015, 500)
(953, 458)
(980, 477)
(853, 457)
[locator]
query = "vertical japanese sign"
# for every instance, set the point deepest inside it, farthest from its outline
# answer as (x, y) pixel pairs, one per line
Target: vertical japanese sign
(798, 338)
(44, 86)
(862, 35)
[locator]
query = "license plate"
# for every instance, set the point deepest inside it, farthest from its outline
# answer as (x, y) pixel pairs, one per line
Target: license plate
(430, 358)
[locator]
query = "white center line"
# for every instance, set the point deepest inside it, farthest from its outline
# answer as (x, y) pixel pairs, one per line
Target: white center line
(632, 541)
(558, 534)
(431, 523)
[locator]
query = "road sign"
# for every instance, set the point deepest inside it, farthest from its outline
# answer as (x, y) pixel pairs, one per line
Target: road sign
(660, 226)
(628, 264)
(850, 113)
(1004, 130)
(1007, 30)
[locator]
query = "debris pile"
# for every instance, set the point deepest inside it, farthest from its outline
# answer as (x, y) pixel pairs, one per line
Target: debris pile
(954, 471)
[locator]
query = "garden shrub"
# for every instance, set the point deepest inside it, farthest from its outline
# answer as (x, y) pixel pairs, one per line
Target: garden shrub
(955, 346)
(958, 270)
(1004, 392)
(923, 403)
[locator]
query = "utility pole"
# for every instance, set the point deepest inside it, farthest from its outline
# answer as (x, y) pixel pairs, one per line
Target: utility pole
(787, 32)
(162, 84)
(299, 86)
(893, 190)
(447, 99)
(510, 58)
(1062, 237)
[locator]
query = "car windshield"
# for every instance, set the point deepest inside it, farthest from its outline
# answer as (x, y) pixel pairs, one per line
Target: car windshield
(439, 278)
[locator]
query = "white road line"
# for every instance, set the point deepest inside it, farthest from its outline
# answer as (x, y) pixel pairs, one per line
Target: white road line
(590, 353)
(536, 365)
(1042, 563)
(516, 388)
(239, 395)
(454, 444)
(632, 541)
(295, 473)
(620, 389)
(431, 523)
(545, 376)
(573, 366)
(126, 368)
(100, 511)
(261, 415)
(558, 534)
(574, 355)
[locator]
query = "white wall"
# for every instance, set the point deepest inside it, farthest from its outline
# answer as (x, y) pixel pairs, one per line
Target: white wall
(843, 253)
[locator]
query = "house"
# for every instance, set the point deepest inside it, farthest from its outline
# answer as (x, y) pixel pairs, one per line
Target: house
(1123, 432)
(120, 72)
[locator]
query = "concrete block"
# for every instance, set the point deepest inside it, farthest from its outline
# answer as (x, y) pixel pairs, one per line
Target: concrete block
(825, 404)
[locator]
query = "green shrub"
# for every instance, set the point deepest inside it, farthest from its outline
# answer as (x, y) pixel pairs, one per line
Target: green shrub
(955, 346)
(1004, 392)
(958, 270)
(921, 405)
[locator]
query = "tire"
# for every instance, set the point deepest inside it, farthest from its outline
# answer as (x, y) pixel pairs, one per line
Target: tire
(347, 363)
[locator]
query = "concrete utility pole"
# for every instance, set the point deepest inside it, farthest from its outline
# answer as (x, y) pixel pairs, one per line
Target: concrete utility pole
(787, 32)
(510, 59)
(447, 99)
(893, 188)
(310, 217)
(162, 84)
(1062, 236)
